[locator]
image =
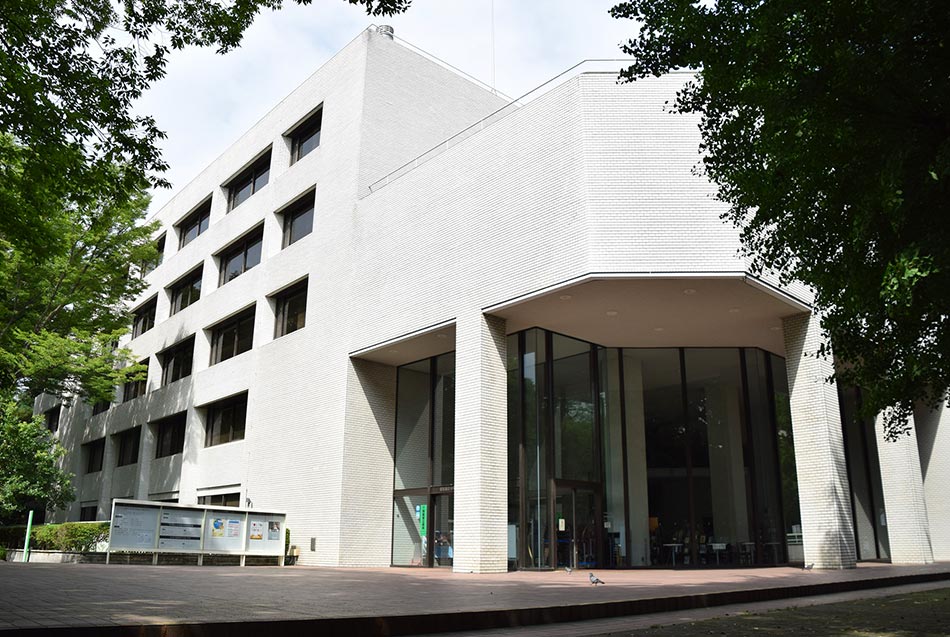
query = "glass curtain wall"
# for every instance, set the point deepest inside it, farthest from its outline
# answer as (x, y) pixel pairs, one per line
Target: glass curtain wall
(639, 457)
(424, 470)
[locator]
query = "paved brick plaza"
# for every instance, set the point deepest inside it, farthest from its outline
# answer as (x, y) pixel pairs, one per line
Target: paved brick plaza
(59, 595)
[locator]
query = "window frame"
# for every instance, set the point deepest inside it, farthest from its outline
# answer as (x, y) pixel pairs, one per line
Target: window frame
(167, 355)
(209, 500)
(149, 266)
(311, 126)
(257, 175)
(170, 435)
(128, 442)
(135, 388)
(301, 206)
(212, 431)
(282, 300)
(234, 322)
(95, 451)
(185, 282)
(144, 311)
(193, 219)
(239, 246)
(51, 418)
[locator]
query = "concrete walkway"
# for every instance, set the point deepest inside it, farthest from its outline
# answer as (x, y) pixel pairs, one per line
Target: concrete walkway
(189, 600)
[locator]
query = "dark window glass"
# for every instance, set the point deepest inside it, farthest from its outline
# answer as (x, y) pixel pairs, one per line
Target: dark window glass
(177, 360)
(306, 136)
(135, 388)
(298, 219)
(241, 256)
(94, 451)
(87, 513)
(248, 182)
(222, 499)
(143, 318)
(186, 291)
(52, 419)
(100, 406)
(291, 309)
(232, 337)
(413, 425)
(148, 266)
(194, 224)
(129, 446)
(170, 435)
(226, 420)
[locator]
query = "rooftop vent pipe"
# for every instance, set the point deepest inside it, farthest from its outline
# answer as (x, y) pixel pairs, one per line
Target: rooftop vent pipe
(385, 29)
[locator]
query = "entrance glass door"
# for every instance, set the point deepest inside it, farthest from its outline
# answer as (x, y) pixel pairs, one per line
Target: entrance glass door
(576, 512)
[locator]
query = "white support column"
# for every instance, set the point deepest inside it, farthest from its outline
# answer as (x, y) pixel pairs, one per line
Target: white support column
(481, 445)
(824, 492)
(932, 429)
(908, 531)
(146, 454)
(368, 452)
(109, 454)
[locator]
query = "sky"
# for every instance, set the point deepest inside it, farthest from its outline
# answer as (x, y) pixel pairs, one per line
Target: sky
(208, 100)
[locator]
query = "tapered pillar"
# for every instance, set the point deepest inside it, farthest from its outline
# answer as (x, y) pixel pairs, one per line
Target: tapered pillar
(932, 429)
(481, 444)
(824, 492)
(908, 532)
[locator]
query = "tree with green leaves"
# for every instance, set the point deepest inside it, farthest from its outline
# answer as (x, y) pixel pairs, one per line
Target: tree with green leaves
(30, 473)
(64, 287)
(826, 127)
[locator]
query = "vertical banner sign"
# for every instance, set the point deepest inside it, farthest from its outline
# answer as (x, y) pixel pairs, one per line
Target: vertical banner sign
(423, 517)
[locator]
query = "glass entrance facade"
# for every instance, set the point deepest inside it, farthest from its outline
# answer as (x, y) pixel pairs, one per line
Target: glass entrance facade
(643, 457)
(617, 457)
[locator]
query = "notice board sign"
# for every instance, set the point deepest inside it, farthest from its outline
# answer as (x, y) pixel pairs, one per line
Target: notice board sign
(180, 529)
(133, 527)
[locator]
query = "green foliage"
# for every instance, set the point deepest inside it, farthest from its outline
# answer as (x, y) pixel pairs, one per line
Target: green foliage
(64, 285)
(29, 463)
(826, 126)
(70, 536)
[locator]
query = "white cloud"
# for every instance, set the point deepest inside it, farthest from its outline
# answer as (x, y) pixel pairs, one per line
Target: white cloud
(208, 100)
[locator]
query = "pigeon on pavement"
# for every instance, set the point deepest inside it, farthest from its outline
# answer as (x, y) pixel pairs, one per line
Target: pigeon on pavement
(594, 580)
(568, 569)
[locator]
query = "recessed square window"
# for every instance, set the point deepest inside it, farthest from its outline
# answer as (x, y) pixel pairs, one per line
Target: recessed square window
(87, 513)
(143, 317)
(298, 219)
(241, 256)
(226, 420)
(129, 446)
(291, 309)
(306, 136)
(135, 388)
(170, 435)
(51, 416)
(232, 336)
(177, 361)
(249, 181)
(185, 290)
(194, 224)
(148, 266)
(94, 452)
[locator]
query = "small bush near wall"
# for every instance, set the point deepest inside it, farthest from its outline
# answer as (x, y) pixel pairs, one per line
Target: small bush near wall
(69, 536)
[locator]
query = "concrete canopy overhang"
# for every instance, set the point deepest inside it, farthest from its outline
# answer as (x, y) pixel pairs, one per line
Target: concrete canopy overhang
(408, 348)
(720, 311)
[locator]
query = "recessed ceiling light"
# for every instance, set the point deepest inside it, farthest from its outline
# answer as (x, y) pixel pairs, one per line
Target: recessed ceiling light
(658, 329)
(612, 312)
(689, 291)
(566, 297)
(734, 310)
(441, 335)
(775, 328)
(394, 351)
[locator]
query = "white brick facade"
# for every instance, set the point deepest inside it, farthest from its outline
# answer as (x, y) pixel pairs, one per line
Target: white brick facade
(586, 188)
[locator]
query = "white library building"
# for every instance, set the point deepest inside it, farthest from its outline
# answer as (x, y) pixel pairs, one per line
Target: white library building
(436, 327)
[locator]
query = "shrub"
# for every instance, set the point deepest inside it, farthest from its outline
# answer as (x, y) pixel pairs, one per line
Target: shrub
(69, 536)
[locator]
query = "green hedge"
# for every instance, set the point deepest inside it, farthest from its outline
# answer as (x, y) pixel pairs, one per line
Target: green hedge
(69, 536)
